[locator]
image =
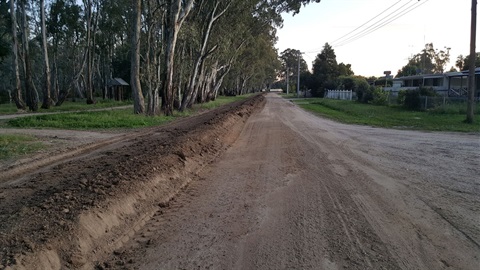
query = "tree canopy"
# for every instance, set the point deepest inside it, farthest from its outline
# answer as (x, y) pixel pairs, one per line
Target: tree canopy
(181, 53)
(428, 61)
(326, 71)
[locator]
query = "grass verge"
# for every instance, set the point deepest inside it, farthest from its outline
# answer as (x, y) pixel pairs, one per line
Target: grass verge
(79, 105)
(111, 119)
(352, 112)
(16, 145)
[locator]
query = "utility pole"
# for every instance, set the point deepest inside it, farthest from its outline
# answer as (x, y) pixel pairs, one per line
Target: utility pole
(288, 71)
(298, 75)
(471, 74)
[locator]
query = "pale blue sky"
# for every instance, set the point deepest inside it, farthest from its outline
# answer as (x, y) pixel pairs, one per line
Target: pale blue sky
(445, 23)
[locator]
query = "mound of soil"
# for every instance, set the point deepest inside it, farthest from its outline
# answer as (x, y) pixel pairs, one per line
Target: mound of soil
(71, 213)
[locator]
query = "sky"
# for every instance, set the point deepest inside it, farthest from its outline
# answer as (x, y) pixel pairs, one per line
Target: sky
(445, 23)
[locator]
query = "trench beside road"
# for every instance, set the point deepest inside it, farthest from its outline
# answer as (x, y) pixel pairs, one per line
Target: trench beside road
(296, 191)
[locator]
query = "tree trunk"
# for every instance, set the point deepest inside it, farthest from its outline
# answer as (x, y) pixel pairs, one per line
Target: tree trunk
(47, 100)
(175, 17)
(17, 93)
(152, 58)
(471, 64)
(190, 91)
(54, 82)
(139, 101)
(218, 83)
(31, 92)
(89, 52)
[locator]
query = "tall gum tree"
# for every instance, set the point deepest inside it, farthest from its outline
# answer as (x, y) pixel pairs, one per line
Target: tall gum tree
(216, 12)
(139, 100)
(47, 100)
(30, 91)
(177, 12)
(17, 93)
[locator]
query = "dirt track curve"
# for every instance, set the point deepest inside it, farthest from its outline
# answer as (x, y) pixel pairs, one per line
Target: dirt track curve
(293, 191)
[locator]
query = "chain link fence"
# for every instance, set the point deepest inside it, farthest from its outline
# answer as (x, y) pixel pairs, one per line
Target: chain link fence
(445, 104)
(442, 104)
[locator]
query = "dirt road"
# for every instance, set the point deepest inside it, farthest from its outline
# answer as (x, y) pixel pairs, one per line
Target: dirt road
(252, 185)
(296, 191)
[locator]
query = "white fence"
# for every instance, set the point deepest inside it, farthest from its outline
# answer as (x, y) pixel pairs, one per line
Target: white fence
(339, 94)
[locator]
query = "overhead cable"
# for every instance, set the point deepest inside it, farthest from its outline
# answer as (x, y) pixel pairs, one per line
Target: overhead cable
(340, 38)
(380, 24)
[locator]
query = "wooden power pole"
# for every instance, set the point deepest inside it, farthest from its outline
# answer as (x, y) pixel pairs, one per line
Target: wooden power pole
(471, 64)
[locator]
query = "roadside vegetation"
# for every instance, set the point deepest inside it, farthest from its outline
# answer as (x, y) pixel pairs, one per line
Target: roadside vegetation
(111, 119)
(16, 145)
(19, 145)
(78, 105)
(353, 112)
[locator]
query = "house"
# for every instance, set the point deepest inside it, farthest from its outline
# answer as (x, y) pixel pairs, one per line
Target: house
(452, 84)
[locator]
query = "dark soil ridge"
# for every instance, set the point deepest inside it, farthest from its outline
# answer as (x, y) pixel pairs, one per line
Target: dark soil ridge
(73, 214)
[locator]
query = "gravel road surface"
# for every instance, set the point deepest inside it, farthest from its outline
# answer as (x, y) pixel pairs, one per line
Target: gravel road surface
(296, 191)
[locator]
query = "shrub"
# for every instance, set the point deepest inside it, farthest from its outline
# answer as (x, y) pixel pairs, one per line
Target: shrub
(427, 92)
(412, 100)
(373, 95)
(380, 97)
(401, 97)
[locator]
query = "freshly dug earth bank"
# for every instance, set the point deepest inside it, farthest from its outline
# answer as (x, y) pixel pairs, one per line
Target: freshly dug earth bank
(72, 213)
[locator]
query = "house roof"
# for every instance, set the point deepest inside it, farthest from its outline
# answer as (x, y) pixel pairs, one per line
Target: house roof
(413, 77)
(117, 82)
(477, 71)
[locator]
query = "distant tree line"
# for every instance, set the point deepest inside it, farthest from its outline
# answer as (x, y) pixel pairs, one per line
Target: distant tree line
(433, 61)
(326, 74)
(174, 53)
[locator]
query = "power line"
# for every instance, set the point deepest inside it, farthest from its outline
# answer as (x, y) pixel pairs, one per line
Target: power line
(378, 26)
(379, 22)
(378, 15)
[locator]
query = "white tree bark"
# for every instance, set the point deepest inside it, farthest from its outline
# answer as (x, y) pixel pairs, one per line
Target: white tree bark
(17, 93)
(192, 89)
(177, 13)
(139, 100)
(47, 100)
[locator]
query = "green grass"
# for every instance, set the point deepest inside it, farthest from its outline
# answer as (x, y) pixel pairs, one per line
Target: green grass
(221, 100)
(352, 112)
(111, 119)
(7, 108)
(290, 95)
(79, 105)
(89, 120)
(16, 145)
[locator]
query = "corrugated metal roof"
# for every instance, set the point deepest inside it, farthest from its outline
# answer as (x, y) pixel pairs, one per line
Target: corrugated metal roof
(117, 82)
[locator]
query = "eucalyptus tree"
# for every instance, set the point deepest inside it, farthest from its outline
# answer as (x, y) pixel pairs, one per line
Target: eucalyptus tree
(290, 59)
(66, 29)
(47, 100)
(30, 90)
(139, 101)
(176, 14)
(5, 31)
(428, 61)
(91, 22)
(196, 72)
(17, 92)
(214, 10)
(154, 18)
(291, 5)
